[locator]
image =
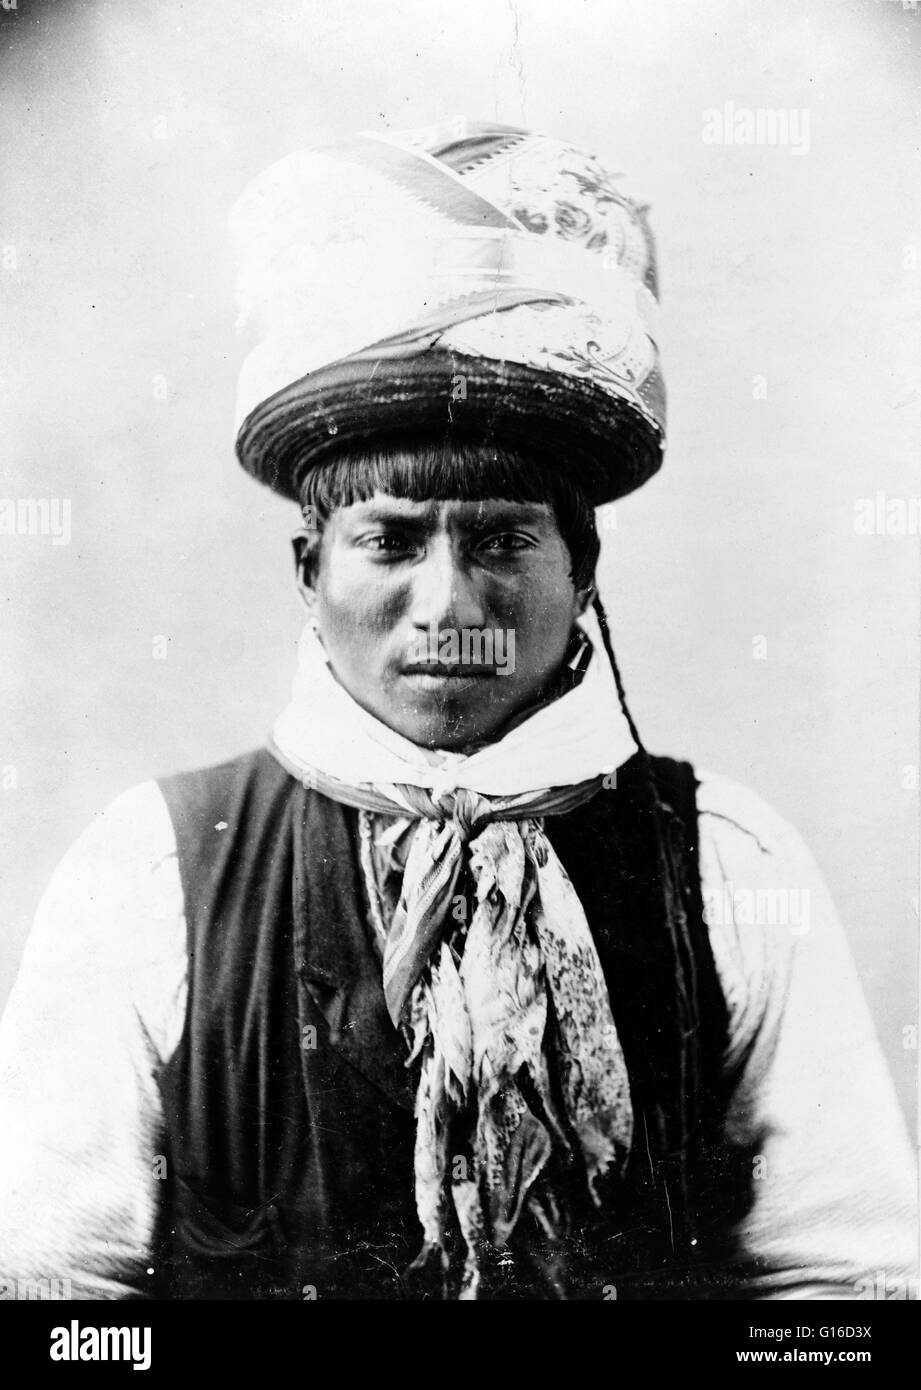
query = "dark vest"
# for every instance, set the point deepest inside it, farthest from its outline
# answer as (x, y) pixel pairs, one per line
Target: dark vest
(288, 1103)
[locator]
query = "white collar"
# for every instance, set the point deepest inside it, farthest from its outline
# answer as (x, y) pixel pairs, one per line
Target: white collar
(574, 738)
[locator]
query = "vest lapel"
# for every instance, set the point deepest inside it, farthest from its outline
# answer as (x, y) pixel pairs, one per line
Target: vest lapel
(334, 958)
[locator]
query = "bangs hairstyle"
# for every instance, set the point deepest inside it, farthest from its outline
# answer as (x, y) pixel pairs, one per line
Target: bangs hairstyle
(453, 470)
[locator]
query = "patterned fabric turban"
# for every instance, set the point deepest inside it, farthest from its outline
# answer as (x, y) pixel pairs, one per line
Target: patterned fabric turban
(469, 277)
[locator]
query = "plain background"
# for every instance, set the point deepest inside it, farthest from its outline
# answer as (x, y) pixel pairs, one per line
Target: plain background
(791, 291)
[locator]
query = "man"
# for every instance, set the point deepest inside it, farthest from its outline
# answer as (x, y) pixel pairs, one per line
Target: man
(453, 991)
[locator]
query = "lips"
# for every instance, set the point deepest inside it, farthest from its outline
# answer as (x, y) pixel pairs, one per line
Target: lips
(450, 670)
(444, 679)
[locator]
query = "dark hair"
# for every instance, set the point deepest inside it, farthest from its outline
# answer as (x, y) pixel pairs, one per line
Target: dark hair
(454, 469)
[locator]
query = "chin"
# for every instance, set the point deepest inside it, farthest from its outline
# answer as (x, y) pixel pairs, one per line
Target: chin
(436, 735)
(451, 735)
(453, 725)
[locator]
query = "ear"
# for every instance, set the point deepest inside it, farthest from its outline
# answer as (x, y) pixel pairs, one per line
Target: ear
(584, 598)
(304, 544)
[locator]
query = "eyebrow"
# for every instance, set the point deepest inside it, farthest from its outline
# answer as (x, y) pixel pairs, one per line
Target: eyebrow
(524, 514)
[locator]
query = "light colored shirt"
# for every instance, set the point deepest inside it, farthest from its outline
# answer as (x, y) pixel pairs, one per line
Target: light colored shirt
(99, 1007)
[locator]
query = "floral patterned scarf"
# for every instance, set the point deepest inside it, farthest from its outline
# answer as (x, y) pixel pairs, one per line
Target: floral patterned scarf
(503, 1002)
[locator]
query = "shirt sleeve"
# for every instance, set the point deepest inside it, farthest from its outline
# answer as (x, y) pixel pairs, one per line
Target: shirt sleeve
(833, 1175)
(97, 1007)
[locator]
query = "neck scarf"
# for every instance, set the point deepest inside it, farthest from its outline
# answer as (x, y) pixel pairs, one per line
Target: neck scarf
(503, 1006)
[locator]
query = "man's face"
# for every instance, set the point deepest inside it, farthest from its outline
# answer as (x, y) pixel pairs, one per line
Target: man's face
(444, 619)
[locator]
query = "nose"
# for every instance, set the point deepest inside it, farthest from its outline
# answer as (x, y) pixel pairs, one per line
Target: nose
(445, 594)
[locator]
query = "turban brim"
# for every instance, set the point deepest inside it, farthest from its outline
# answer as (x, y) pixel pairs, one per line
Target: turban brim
(604, 443)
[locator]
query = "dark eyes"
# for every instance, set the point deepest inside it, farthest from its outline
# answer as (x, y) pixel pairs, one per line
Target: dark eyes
(393, 544)
(506, 540)
(384, 544)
